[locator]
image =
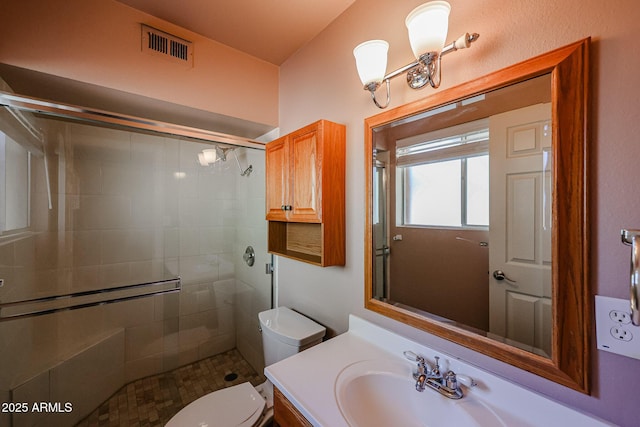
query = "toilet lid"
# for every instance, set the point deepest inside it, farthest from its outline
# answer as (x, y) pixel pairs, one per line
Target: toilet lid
(239, 405)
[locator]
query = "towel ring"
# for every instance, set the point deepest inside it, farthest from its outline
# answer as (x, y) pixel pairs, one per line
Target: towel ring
(632, 238)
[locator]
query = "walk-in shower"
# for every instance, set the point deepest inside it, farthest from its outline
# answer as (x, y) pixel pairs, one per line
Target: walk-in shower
(121, 254)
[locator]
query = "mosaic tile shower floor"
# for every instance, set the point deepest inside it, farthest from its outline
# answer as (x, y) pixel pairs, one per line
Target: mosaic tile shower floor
(152, 401)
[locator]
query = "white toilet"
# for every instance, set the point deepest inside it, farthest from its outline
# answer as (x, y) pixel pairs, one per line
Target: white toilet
(284, 333)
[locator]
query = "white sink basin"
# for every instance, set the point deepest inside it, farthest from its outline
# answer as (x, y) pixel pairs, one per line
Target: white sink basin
(382, 393)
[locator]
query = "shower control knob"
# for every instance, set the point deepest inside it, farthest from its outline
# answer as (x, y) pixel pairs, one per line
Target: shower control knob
(249, 256)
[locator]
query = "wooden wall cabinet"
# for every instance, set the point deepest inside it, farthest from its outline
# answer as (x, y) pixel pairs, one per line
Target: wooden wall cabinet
(305, 194)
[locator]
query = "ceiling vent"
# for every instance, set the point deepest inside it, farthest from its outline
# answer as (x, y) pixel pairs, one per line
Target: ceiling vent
(159, 43)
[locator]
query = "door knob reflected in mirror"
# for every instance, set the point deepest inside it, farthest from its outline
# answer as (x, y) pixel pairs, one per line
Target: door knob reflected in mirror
(499, 275)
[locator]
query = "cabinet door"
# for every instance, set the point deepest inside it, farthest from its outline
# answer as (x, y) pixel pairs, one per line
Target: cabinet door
(305, 175)
(277, 175)
(285, 414)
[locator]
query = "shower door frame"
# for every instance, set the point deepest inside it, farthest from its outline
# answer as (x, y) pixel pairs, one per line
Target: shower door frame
(36, 105)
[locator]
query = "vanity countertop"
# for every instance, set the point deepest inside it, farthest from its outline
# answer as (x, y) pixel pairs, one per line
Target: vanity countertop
(308, 380)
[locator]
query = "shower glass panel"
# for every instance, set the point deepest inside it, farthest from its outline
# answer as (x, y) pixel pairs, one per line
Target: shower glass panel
(90, 207)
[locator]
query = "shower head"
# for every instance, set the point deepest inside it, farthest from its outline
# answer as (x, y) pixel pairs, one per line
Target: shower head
(243, 172)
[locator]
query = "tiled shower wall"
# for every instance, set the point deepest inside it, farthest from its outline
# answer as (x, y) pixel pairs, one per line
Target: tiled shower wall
(253, 284)
(131, 208)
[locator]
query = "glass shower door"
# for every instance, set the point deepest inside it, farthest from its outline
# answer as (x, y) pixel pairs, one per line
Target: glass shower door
(127, 262)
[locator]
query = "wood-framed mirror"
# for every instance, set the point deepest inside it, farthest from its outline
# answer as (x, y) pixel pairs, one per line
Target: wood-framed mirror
(556, 249)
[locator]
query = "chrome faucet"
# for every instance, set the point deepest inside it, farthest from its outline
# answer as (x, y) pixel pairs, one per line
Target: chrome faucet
(425, 376)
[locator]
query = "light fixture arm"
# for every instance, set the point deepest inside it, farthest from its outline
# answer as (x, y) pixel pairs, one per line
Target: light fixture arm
(427, 71)
(373, 86)
(424, 70)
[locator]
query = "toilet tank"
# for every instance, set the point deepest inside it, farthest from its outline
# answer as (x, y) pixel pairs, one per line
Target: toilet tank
(286, 332)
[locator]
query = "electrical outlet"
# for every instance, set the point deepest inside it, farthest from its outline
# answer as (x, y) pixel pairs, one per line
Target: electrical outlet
(614, 331)
(620, 316)
(621, 334)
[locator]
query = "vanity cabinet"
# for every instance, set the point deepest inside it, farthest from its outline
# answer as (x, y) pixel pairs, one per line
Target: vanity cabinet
(285, 414)
(305, 194)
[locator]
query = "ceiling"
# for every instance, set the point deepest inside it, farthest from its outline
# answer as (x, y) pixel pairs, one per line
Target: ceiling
(271, 30)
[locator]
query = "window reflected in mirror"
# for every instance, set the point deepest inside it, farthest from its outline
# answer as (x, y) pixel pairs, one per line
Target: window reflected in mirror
(15, 164)
(462, 214)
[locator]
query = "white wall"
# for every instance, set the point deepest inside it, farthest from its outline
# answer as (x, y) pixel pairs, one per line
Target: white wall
(320, 81)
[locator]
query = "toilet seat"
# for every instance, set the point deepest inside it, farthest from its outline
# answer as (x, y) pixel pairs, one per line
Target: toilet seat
(239, 405)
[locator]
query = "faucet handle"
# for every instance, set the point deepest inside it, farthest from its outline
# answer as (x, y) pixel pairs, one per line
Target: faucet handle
(410, 355)
(436, 369)
(466, 381)
(450, 380)
(421, 367)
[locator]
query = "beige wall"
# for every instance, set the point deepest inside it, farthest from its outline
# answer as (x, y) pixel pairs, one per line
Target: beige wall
(320, 81)
(99, 42)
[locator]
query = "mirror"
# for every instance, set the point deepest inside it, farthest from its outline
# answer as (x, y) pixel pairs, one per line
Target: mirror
(462, 214)
(476, 227)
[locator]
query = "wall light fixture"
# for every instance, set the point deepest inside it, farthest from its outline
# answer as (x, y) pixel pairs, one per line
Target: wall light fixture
(209, 156)
(427, 26)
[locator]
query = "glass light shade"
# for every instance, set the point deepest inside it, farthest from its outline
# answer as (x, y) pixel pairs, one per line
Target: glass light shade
(210, 155)
(371, 60)
(428, 25)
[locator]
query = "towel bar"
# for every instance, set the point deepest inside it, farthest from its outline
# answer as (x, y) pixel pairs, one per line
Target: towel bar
(73, 301)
